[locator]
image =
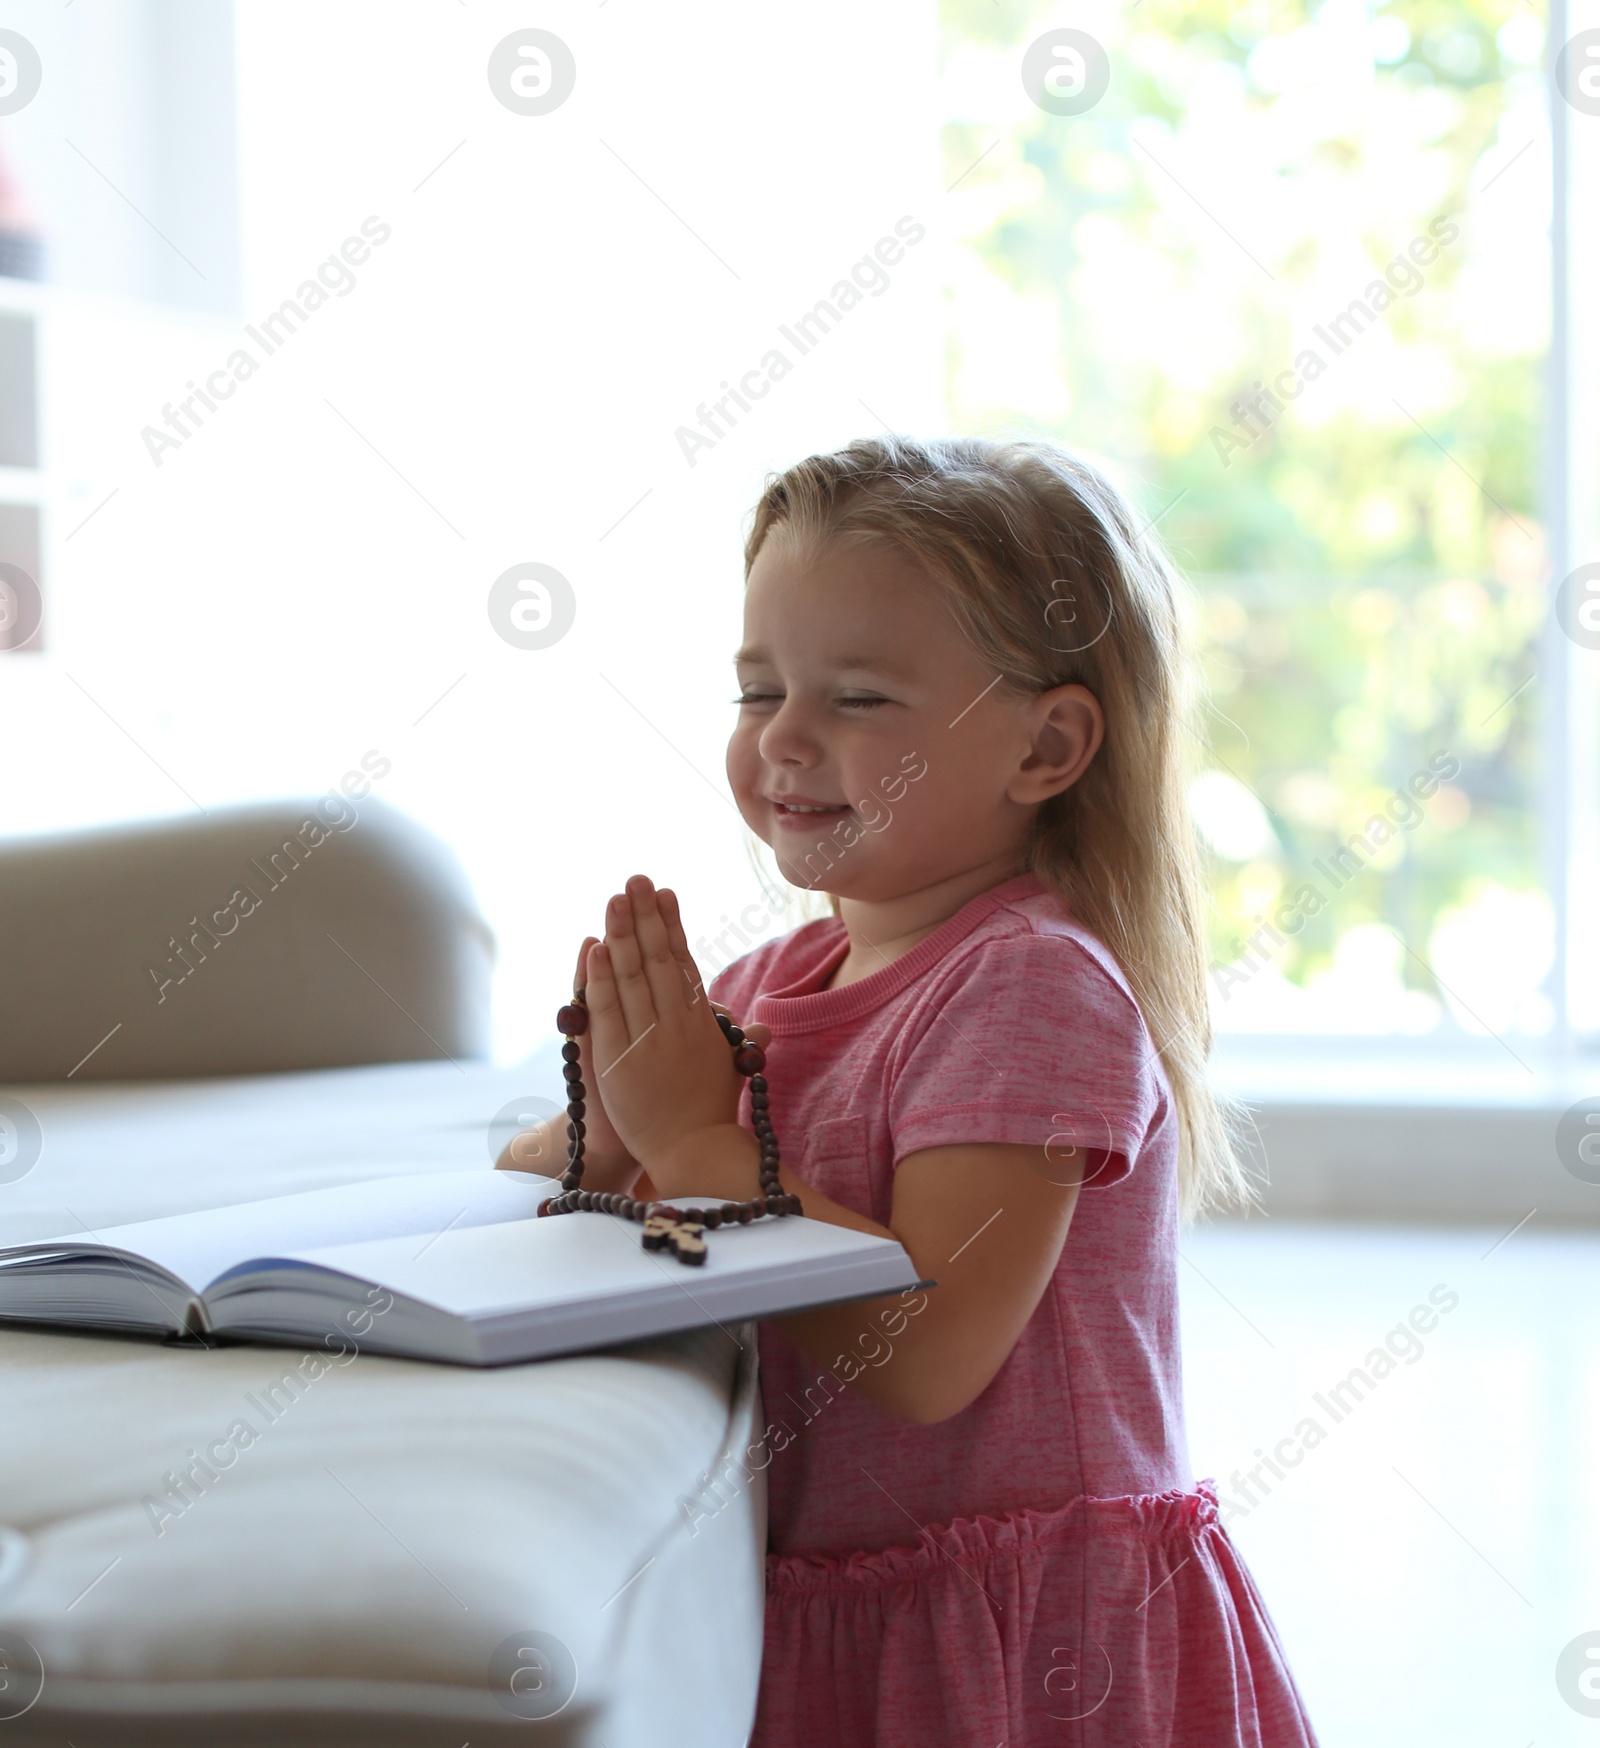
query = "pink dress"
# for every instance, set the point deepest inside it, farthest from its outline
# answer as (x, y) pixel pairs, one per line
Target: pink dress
(1040, 1568)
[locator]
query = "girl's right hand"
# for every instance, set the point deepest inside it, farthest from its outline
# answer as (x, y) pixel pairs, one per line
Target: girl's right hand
(602, 1146)
(543, 1151)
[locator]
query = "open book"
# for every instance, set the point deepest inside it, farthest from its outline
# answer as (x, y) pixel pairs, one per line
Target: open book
(439, 1266)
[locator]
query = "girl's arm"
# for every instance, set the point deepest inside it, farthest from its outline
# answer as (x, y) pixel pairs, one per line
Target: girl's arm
(986, 1221)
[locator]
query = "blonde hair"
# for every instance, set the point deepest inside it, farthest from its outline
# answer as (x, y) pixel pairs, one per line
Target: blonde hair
(1054, 582)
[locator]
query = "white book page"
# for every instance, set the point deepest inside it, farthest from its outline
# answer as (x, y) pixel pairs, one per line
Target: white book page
(427, 1206)
(579, 1258)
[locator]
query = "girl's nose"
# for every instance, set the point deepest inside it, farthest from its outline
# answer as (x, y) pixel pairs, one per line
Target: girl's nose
(789, 737)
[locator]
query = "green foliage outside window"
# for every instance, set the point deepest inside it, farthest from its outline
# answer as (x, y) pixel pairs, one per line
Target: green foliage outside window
(1350, 204)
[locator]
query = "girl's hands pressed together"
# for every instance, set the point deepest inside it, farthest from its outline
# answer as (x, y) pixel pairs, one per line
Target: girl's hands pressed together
(662, 1069)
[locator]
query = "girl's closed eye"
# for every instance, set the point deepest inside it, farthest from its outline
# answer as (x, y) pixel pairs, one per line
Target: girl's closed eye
(771, 697)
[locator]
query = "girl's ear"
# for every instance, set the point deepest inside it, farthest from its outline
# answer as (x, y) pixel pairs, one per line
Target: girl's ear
(1067, 726)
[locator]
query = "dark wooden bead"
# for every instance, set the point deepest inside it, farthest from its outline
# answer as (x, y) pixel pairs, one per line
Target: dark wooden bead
(569, 1051)
(570, 1179)
(576, 1107)
(735, 1033)
(746, 1214)
(749, 1058)
(571, 1071)
(712, 1218)
(758, 1082)
(573, 1020)
(729, 1212)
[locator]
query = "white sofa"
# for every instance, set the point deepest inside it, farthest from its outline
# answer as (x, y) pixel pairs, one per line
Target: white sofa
(347, 1576)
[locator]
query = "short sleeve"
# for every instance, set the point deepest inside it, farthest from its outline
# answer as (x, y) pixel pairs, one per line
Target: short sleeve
(1029, 1041)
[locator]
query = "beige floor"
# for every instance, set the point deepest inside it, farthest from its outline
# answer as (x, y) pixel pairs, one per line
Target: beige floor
(1430, 1557)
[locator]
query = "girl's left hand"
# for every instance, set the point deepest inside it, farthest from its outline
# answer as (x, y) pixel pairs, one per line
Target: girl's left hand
(663, 1069)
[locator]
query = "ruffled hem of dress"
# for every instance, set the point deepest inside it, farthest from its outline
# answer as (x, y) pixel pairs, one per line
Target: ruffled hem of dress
(1177, 1513)
(1098, 1623)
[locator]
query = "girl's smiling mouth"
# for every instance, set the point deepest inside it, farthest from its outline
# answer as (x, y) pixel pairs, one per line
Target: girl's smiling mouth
(798, 811)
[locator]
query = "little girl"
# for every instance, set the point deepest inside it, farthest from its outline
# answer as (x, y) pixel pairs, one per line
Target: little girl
(961, 716)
